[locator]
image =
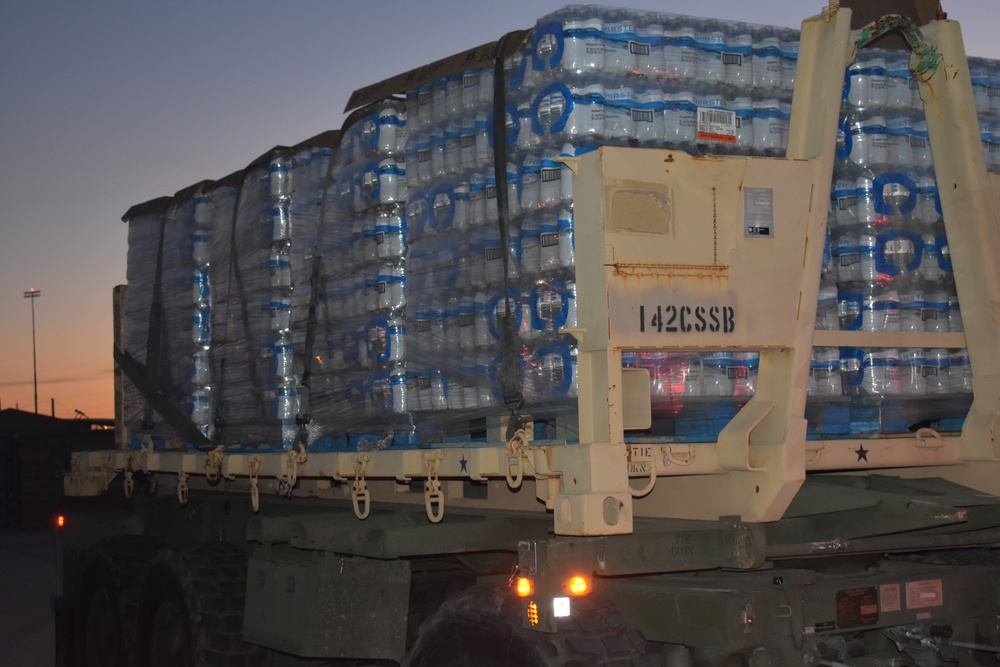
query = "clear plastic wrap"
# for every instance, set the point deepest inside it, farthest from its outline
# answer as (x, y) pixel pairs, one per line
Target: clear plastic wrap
(405, 345)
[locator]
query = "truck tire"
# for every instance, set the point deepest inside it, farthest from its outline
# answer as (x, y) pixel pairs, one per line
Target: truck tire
(191, 612)
(108, 596)
(483, 627)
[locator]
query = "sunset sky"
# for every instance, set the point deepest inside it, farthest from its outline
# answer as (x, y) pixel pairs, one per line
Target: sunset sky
(106, 104)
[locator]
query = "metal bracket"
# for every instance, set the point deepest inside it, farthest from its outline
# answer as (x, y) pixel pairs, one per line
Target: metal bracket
(361, 498)
(255, 462)
(433, 498)
(182, 488)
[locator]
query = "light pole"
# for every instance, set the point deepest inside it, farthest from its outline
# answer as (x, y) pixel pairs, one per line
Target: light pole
(33, 294)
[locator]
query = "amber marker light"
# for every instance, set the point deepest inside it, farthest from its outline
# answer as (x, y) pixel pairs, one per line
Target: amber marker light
(61, 521)
(533, 613)
(524, 587)
(577, 585)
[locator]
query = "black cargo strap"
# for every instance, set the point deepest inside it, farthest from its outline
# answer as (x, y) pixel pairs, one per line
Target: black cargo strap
(139, 376)
(316, 283)
(510, 369)
(154, 333)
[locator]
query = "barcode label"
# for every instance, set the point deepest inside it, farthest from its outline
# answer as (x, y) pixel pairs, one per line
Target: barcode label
(470, 80)
(468, 140)
(549, 240)
(732, 59)
(847, 259)
(492, 254)
(491, 192)
(918, 142)
(846, 202)
(424, 155)
(638, 48)
(551, 174)
(642, 116)
(716, 125)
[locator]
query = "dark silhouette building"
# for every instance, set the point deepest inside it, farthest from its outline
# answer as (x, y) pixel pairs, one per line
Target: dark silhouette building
(34, 454)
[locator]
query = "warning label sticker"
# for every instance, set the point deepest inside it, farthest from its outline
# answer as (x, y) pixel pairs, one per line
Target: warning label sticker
(890, 597)
(923, 594)
(716, 125)
(857, 607)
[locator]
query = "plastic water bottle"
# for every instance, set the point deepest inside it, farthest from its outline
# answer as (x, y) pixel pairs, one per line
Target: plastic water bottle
(648, 46)
(768, 127)
(827, 317)
(201, 410)
(899, 92)
(483, 337)
(531, 182)
(680, 121)
(850, 370)
(911, 372)
(738, 56)
(570, 296)
(912, 301)
(390, 235)
(477, 200)
(979, 72)
(767, 67)
(396, 334)
(566, 175)
(462, 219)
(398, 390)
(280, 265)
(647, 117)
(959, 372)
(849, 306)
(744, 373)
(619, 102)
(618, 35)
(680, 52)
(843, 198)
(879, 307)
(280, 175)
(742, 107)
(201, 368)
(466, 322)
(789, 58)
(550, 176)
(483, 151)
(586, 113)
(717, 380)
(549, 249)
(937, 371)
(583, 43)
(477, 260)
(880, 372)
(530, 247)
(824, 372)
(470, 90)
(201, 326)
(201, 291)
(567, 242)
(899, 153)
(710, 41)
(286, 401)
(283, 363)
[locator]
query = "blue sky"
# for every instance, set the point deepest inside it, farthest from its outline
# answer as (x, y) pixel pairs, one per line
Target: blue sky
(106, 104)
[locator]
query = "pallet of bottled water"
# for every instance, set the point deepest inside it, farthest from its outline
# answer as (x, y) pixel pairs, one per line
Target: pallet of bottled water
(362, 305)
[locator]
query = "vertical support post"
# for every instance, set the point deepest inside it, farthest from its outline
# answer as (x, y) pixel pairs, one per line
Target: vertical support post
(118, 312)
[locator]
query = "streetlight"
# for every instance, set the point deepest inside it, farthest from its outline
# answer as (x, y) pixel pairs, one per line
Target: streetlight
(33, 294)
